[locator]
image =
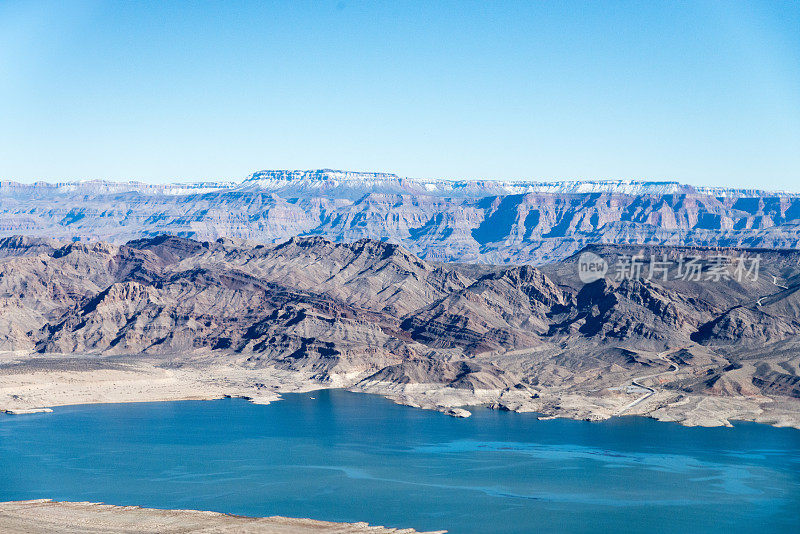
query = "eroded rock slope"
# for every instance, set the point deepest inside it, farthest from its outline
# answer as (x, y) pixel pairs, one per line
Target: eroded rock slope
(373, 316)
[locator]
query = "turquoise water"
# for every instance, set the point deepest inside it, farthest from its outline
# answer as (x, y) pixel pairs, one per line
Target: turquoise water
(349, 457)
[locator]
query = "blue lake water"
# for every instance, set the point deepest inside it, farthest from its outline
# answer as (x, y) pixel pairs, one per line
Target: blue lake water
(350, 457)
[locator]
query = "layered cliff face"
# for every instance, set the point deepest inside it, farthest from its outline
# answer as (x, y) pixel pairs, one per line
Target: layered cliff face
(438, 220)
(374, 312)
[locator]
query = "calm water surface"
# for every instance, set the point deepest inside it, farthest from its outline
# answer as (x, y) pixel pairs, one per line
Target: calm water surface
(349, 457)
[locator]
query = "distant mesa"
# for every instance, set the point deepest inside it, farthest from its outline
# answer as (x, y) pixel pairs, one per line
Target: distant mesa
(485, 221)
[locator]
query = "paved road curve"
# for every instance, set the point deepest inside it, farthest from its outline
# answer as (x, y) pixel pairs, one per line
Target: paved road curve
(650, 391)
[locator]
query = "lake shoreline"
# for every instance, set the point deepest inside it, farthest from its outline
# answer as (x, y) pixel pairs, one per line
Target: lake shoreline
(35, 384)
(45, 515)
(345, 457)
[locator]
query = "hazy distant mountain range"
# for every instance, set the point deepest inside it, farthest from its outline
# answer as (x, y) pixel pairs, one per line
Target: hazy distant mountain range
(439, 220)
(325, 301)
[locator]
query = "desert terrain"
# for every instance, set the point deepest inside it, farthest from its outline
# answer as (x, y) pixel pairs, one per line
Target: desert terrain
(170, 318)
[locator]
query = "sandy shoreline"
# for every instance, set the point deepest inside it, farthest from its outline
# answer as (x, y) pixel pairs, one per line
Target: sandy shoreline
(31, 384)
(44, 516)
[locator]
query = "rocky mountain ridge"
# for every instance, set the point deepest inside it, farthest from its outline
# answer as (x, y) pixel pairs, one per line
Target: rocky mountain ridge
(373, 316)
(438, 220)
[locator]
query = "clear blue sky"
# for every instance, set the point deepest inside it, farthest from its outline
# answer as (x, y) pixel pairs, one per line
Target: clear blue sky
(699, 92)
